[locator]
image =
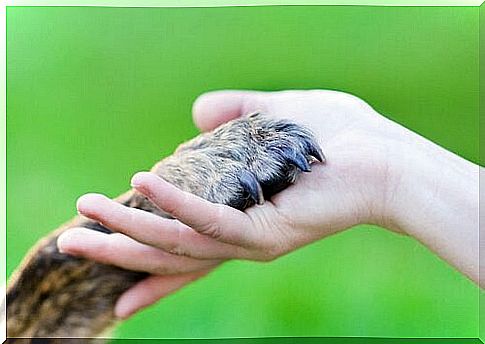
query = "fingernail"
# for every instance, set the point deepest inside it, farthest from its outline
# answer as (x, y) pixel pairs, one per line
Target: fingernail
(87, 202)
(123, 311)
(64, 242)
(137, 179)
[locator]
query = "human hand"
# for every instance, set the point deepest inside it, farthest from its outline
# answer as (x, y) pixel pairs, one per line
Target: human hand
(377, 172)
(371, 166)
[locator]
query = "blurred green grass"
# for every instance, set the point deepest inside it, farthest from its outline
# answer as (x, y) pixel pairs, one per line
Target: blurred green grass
(96, 94)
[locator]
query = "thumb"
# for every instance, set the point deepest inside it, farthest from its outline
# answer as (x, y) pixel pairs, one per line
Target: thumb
(214, 108)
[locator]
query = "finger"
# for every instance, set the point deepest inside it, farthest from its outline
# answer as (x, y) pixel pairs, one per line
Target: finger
(150, 290)
(122, 251)
(214, 108)
(216, 221)
(167, 234)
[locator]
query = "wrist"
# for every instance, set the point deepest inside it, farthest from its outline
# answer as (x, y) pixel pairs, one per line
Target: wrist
(407, 173)
(428, 177)
(435, 200)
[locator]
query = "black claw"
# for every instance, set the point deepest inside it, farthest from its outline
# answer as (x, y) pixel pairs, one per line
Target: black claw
(299, 160)
(315, 151)
(251, 185)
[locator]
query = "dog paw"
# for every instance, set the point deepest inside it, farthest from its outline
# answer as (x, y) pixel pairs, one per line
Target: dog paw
(275, 153)
(244, 161)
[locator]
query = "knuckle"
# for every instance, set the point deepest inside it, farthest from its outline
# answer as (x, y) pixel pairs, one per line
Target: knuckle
(175, 249)
(161, 269)
(212, 230)
(268, 251)
(212, 227)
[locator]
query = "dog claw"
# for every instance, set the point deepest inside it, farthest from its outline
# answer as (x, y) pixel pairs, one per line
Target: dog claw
(299, 160)
(251, 185)
(316, 152)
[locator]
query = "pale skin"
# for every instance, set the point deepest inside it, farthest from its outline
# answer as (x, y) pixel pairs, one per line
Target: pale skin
(377, 172)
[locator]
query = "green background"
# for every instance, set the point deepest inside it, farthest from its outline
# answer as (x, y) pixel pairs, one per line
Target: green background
(96, 94)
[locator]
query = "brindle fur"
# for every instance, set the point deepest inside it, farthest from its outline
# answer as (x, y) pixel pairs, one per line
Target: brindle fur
(56, 295)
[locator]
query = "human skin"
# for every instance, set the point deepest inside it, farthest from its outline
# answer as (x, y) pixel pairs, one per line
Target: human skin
(377, 172)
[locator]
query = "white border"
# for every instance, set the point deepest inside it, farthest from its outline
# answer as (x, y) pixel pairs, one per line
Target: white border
(224, 3)
(144, 3)
(3, 174)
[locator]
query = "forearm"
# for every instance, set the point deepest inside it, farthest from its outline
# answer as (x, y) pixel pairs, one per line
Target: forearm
(439, 197)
